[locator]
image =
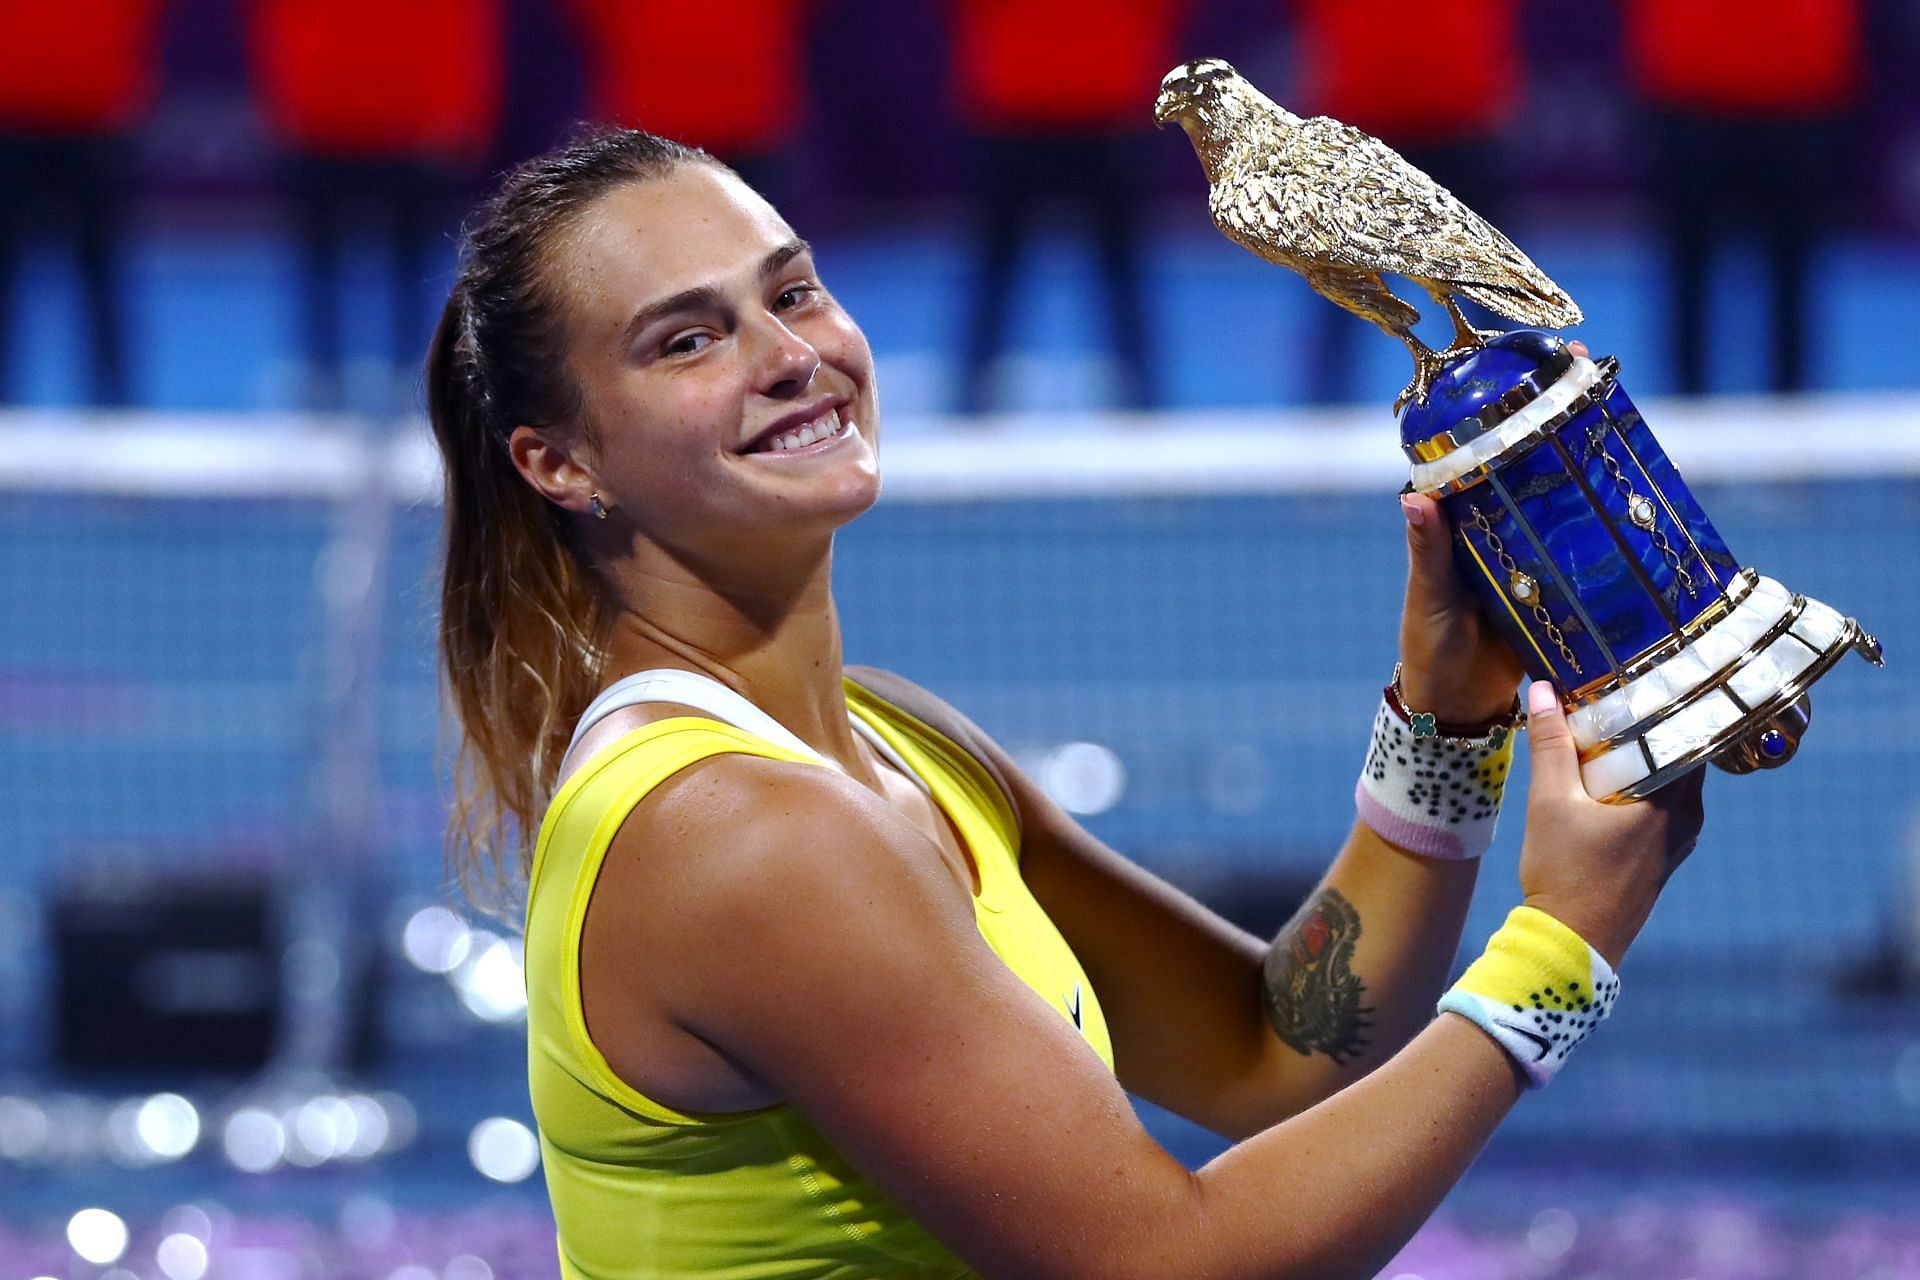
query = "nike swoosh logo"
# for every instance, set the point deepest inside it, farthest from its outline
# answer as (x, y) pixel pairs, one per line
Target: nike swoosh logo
(1534, 1036)
(1073, 1008)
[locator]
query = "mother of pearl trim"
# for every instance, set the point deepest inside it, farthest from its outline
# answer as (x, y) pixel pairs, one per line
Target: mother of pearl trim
(1755, 682)
(1549, 404)
(1686, 670)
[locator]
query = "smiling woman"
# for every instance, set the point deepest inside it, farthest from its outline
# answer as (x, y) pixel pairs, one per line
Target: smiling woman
(819, 984)
(698, 335)
(567, 298)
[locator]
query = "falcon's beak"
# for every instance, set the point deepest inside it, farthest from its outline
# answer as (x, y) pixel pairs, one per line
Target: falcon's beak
(1166, 107)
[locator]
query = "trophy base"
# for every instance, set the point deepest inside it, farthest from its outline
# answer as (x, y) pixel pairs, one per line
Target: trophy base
(1734, 693)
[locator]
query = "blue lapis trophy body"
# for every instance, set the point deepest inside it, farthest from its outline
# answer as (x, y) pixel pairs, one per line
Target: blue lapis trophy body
(1594, 560)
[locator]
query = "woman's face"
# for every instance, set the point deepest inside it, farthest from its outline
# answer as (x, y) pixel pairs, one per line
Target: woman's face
(731, 396)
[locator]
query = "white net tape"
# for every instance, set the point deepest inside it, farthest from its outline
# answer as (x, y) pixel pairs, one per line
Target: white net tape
(1106, 455)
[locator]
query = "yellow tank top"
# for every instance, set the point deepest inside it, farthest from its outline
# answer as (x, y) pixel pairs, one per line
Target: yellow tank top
(643, 1192)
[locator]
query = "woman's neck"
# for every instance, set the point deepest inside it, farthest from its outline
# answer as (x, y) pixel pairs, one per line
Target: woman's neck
(774, 639)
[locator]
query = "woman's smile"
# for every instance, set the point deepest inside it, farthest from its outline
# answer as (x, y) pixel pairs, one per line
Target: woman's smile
(811, 437)
(810, 419)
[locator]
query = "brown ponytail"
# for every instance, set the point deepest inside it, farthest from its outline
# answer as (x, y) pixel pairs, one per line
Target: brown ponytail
(522, 616)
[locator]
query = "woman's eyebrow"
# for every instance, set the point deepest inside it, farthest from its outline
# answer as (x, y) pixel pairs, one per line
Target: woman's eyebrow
(706, 297)
(700, 298)
(782, 256)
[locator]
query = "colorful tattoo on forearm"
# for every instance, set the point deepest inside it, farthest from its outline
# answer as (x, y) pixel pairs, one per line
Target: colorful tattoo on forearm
(1313, 995)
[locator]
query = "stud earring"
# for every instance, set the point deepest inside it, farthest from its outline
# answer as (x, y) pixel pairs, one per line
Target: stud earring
(599, 507)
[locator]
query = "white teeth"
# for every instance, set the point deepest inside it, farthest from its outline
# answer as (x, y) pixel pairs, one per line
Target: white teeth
(827, 424)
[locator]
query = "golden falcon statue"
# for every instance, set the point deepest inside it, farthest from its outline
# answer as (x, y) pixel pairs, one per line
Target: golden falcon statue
(1341, 207)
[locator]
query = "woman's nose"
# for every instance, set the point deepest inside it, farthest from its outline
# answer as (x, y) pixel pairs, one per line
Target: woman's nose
(787, 361)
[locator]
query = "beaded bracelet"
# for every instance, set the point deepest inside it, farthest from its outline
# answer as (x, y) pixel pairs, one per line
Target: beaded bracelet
(1538, 989)
(1430, 789)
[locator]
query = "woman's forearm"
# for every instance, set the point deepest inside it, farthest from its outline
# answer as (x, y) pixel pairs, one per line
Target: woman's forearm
(1337, 1190)
(1353, 976)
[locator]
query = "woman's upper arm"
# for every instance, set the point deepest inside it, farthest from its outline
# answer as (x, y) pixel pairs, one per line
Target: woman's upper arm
(1181, 986)
(828, 952)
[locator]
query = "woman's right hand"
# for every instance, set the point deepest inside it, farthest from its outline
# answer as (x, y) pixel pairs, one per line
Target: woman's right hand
(1597, 868)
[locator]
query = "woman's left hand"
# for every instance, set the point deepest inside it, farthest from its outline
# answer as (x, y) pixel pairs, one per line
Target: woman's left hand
(1452, 662)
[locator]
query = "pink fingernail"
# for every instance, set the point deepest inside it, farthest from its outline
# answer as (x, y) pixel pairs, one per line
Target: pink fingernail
(1541, 698)
(1415, 514)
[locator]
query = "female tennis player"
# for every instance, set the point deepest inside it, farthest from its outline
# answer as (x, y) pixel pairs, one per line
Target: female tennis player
(820, 984)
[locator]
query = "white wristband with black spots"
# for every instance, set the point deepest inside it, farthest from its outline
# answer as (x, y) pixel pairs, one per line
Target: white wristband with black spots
(1432, 795)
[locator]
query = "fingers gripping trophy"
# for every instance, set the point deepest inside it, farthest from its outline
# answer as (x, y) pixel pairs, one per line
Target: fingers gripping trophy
(1587, 551)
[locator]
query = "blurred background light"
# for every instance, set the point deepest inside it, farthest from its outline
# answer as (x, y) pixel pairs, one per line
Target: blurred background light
(436, 940)
(188, 1220)
(371, 1127)
(124, 1141)
(254, 1140)
(466, 1266)
(311, 968)
(98, 1235)
(181, 1257)
(504, 1149)
(305, 1147)
(1551, 1234)
(491, 982)
(23, 1128)
(1084, 777)
(168, 1125)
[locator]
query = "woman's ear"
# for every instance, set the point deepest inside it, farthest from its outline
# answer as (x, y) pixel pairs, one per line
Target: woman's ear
(552, 468)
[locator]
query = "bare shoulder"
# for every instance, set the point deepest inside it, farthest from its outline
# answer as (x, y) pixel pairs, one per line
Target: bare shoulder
(721, 897)
(741, 859)
(739, 817)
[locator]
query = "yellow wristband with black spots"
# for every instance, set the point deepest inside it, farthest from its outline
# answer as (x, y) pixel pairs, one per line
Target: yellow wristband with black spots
(1537, 989)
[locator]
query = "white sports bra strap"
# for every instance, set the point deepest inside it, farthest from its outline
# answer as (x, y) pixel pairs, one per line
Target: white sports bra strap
(690, 689)
(704, 693)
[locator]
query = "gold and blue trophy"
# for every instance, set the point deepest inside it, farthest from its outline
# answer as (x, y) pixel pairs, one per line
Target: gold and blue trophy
(1588, 551)
(1594, 560)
